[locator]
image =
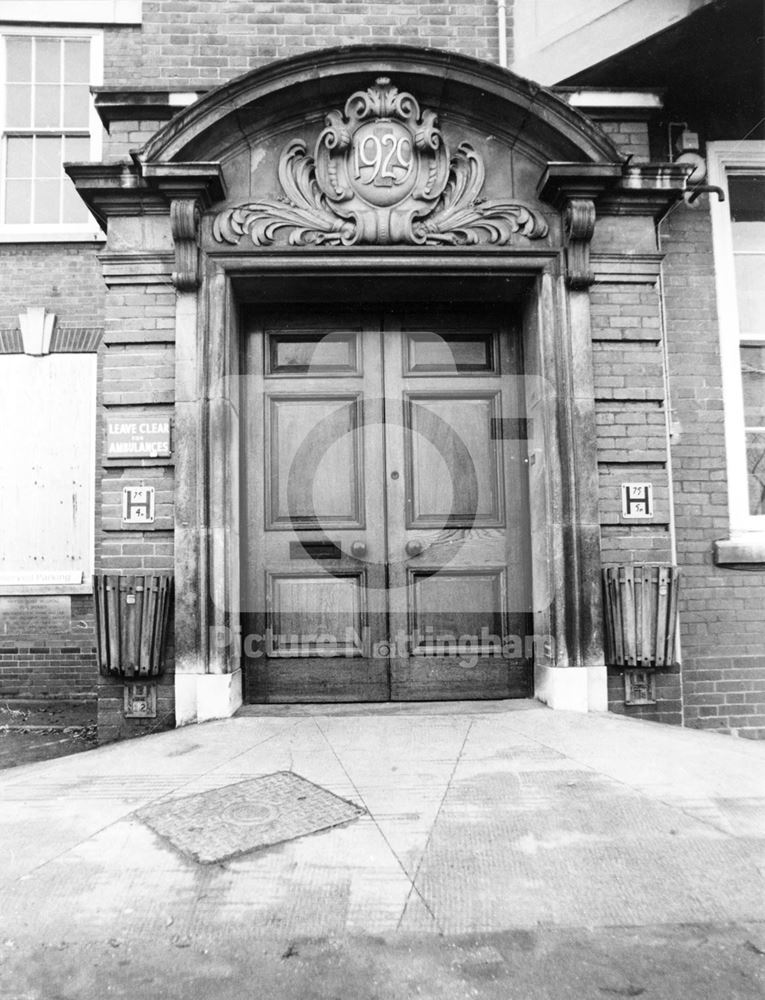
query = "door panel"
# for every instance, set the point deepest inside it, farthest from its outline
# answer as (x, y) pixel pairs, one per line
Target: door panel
(449, 351)
(450, 604)
(331, 492)
(385, 490)
(309, 613)
(454, 473)
(314, 579)
(458, 517)
(303, 353)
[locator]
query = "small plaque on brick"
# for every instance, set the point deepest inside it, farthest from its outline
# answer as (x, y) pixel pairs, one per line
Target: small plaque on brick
(639, 687)
(38, 616)
(140, 701)
(637, 500)
(138, 505)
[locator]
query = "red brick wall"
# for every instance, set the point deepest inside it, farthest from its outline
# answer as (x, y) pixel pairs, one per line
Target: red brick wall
(40, 664)
(202, 43)
(722, 610)
(630, 138)
(112, 724)
(628, 370)
(123, 57)
(65, 278)
(125, 136)
(136, 373)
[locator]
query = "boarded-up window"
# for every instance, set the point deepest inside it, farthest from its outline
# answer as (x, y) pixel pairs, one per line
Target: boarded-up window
(47, 436)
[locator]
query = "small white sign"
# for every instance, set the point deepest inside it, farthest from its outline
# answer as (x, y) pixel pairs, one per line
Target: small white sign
(29, 578)
(138, 505)
(148, 437)
(637, 500)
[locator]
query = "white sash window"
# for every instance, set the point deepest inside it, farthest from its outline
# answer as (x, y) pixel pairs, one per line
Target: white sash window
(47, 118)
(739, 244)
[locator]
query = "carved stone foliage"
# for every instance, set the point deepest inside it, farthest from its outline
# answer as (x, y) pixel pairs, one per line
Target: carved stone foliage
(380, 174)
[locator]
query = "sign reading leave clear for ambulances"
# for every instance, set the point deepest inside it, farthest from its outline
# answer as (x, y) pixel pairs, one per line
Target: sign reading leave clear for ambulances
(144, 436)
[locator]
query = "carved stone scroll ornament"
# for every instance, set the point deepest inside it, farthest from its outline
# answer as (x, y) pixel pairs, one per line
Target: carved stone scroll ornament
(380, 174)
(578, 228)
(184, 223)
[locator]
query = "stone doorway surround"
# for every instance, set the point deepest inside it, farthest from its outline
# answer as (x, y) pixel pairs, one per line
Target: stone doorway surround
(227, 203)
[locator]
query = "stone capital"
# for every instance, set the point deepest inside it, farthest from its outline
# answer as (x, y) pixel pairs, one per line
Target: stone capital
(574, 188)
(113, 190)
(190, 188)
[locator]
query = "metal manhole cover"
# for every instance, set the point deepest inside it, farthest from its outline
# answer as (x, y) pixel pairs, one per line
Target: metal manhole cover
(229, 821)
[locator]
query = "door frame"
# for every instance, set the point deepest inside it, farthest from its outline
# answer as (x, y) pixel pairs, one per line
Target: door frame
(569, 669)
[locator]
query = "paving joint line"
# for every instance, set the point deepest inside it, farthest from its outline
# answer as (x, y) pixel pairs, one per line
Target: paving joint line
(410, 880)
(248, 750)
(430, 833)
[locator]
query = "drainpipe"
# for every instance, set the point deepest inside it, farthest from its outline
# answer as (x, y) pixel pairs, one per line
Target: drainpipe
(502, 32)
(669, 433)
(668, 429)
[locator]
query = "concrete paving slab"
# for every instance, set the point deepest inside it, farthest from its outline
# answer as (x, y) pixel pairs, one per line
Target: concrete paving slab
(505, 835)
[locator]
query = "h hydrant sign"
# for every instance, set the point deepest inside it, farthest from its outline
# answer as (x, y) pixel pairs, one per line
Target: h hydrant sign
(145, 436)
(138, 505)
(637, 500)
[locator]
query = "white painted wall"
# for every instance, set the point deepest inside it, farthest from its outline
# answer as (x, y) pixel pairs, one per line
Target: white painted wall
(553, 39)
(47, 442)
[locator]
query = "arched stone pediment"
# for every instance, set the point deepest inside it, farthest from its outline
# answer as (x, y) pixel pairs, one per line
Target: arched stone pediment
(305, 88)
(387, 146)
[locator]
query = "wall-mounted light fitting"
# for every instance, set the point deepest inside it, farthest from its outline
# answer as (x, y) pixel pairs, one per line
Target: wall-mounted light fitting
(684, 144)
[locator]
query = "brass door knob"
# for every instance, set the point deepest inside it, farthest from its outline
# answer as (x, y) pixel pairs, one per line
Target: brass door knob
(359, 549)
(415, 547)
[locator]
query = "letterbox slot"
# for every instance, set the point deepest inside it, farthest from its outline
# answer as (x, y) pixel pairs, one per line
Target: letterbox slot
(314, 550)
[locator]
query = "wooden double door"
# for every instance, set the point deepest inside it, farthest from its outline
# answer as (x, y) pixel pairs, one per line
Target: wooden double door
(385, 515)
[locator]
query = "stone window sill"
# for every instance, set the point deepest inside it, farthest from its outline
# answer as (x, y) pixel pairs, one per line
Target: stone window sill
(740, 551)
(36, 234)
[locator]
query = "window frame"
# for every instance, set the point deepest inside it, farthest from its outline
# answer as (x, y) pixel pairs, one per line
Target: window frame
(46, 232)
(725, 159)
